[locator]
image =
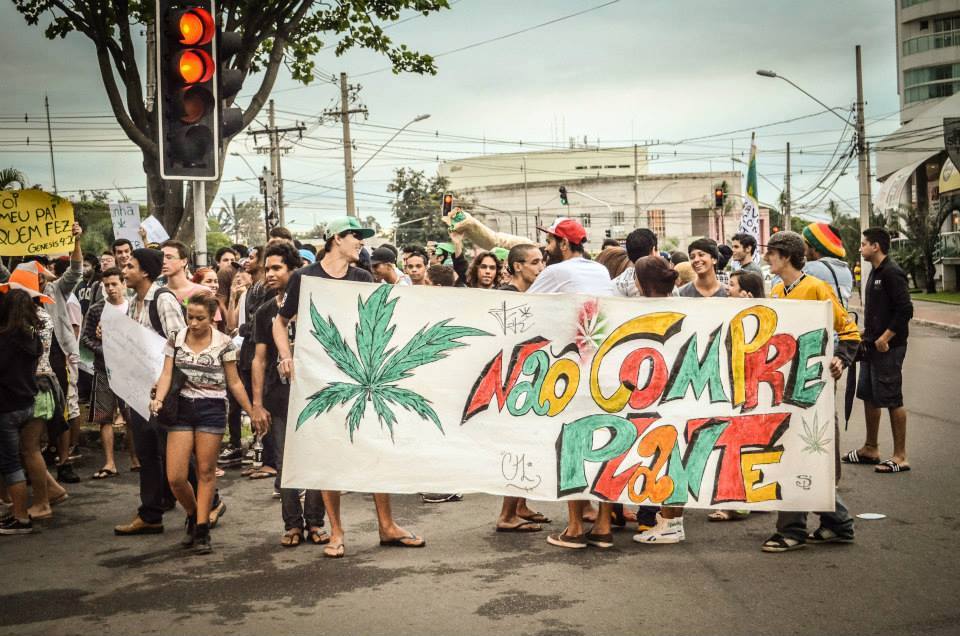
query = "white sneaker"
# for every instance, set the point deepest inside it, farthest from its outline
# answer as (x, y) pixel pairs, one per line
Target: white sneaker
(666, 531)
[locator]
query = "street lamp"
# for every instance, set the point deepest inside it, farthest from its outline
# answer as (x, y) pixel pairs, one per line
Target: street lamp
(237, 154)
(404, 127)
(768, 73)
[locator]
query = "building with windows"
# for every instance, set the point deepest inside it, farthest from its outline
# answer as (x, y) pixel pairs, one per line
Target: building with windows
(928, 53)
(912, 163)
(609, 190)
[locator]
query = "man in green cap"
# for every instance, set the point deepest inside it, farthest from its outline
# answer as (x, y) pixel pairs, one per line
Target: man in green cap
(344, 240)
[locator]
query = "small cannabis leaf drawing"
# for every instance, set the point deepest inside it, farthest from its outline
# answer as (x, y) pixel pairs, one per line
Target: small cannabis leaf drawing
(375, 369)
(813, 437)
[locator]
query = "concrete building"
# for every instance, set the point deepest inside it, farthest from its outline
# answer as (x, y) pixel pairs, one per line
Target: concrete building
(609, 191)
(928, 53)
(912, 162)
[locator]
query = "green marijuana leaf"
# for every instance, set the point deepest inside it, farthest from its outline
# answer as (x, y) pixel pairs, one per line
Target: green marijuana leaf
(374, 368)
(813, 437)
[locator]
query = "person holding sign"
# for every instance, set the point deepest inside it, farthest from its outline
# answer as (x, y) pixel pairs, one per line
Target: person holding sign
(785, 255)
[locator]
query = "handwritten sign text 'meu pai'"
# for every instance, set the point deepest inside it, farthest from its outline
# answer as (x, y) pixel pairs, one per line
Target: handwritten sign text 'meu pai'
(34, 222)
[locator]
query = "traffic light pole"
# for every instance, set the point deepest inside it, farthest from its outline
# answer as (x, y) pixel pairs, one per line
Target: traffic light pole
(200, 222)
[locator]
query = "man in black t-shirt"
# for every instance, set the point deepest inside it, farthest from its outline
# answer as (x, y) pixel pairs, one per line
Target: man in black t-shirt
(342, 249)
(271, 394)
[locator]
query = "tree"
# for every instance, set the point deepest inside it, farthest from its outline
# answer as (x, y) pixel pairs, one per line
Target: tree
(243, 221)
(372, 223)
(922, 229)
(10, 177)
(275, 32)
(417, 206)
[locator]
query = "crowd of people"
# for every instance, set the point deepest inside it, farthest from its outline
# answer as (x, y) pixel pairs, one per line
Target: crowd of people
(230, 330)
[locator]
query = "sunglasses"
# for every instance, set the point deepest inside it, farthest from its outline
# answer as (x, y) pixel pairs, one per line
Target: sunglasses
(354, 233)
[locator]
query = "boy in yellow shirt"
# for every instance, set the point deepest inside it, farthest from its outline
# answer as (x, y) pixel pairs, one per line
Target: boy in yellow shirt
(785, 255)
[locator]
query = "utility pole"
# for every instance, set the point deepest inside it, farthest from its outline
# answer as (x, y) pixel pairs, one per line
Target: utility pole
(636, 193)
(53, 167)
(786, 194)
(526, 209)
(343, 114)
(200, 222)
(151, 94)
(863, 170)
(275, 178)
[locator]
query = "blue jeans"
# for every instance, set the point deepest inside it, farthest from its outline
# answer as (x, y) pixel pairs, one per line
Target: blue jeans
(10, 424)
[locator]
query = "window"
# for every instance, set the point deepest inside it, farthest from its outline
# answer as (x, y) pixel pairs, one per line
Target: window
(927, 74)
(930, 91)
(909, 3)
(945, 24)
(618, 217)
(585, 220)
(940, 40)
(624, 165)
(657, 222)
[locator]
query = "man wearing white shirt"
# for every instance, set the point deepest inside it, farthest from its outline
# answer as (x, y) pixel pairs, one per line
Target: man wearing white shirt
(568, 272)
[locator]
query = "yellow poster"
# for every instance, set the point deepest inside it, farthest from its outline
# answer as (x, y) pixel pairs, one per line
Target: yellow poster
(34, 222)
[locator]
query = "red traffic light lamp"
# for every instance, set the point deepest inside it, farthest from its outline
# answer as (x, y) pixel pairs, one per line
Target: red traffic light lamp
(718, 196)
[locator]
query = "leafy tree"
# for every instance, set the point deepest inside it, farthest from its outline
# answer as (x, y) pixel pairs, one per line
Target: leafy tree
(275, 32)
(417, 207)
(243, 221)
(921, 228)
(372, 223)
(216, 238)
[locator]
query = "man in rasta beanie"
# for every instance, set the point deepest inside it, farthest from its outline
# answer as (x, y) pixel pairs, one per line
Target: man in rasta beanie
(825, 253)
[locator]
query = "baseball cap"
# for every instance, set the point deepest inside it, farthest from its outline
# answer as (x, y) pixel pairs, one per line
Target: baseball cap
(566, 228)
(348, 224)
(382, 255)
(308, 256)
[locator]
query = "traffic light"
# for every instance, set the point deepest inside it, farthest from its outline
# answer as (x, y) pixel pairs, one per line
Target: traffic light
(563, 196)
(191, 87)
(447, 205)
(718, 198)
(774, 229)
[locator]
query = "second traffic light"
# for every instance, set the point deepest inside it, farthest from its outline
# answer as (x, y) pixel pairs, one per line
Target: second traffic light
(718, 198)
(563, 196)
(191, 88)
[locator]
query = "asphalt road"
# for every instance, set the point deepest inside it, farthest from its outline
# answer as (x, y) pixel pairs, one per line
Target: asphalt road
(900, 577)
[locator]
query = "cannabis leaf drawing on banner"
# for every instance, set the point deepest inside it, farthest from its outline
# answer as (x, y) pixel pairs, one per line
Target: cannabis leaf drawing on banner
(375, 369)
(815, 436)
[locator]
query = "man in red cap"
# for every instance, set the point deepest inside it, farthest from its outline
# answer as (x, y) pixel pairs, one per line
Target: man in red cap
(568, 272)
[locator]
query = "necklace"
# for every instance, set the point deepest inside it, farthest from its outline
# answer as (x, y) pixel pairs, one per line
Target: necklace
(789, 288)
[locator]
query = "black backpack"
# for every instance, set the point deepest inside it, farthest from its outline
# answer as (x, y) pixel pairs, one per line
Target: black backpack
(154, 313)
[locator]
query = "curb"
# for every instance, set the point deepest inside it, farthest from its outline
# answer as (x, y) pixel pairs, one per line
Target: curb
(953, 330)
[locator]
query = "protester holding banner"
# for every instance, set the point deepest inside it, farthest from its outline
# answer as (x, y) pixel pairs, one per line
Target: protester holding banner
(271, 394)
(344, 241)
(785, 255)
(104, 404)
(207, 360)
(704, 256)
(156, 308)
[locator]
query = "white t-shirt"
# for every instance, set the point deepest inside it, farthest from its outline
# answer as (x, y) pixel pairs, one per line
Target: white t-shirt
(74, 310)
(574, 276)
(626, 284)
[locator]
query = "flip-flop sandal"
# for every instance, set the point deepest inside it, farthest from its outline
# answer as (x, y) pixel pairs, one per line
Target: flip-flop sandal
(728, 515)
(522, 527)
(134, 469)
(886, 467)
(60, 499)
(535, 518)
(602, 541)
(334, 550)
(853, 457)
(780, 543)
(404, 542)
(261, 474)
(291, 539)
(318, 536)
(104, 473)
(564, 540)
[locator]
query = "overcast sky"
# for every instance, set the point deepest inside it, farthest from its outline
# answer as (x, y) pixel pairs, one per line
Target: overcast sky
(631, 71)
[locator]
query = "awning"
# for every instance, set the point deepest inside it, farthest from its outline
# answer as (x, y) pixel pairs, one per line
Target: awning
(893, 192)
(949, 177)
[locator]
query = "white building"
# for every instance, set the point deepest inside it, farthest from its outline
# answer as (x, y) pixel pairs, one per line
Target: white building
(609, 190)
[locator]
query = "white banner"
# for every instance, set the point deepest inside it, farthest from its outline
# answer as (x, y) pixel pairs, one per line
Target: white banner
(134, 359)
(709, 403)
(126, 222)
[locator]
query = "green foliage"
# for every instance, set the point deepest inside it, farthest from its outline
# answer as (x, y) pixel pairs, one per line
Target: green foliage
(417, 207)
(375, 369)
(10, 177)
(922, 229)
(244, 221)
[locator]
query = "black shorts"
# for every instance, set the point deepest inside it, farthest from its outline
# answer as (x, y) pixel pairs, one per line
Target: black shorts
(881, 378)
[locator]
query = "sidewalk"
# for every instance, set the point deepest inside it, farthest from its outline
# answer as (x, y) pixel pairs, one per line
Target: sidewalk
(940, 315)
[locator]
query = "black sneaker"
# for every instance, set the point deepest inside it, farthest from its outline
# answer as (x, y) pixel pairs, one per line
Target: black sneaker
(230, 456)
(201, 540)
(67, 475)
(12, 525)
(190, 529)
